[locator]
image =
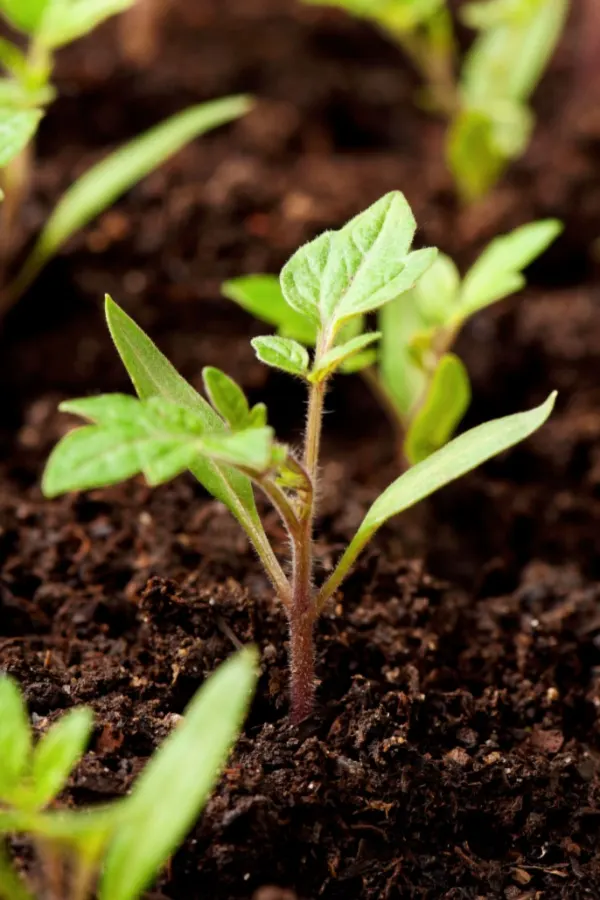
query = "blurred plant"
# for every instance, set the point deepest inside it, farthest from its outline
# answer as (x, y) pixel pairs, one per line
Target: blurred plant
(25, 93)
(422, 386)
(328, 286)
(487, 105)
(119, 848)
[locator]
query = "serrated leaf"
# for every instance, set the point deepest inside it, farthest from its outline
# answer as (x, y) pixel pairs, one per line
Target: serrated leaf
(446, 401)
(262, 297)
(57, 754)
(17, 128)
(64, 21)
(25, 15)
(282, 353)
(153, 375)
(497, 272)
(117, 173)
(357, 269)
(178, 780)
(227, 398)
(250, 449)
(341, 354)
(15, 737)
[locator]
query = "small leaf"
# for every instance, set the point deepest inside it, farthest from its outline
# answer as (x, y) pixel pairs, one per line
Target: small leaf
(17, 128)
(117, 173)
(359, 361)
(178, 780)
(251, 449)
(282, 353)
(226, 397)
(357, 269)
(12, 57)
(474, 160)
(15, 737)
(262, 297)
(341, 354)
(497, 272)
(403, 380)
(25, 15)
(447, 400)
(66, 20)
(57, 754)
(257, 418)
(436, 292)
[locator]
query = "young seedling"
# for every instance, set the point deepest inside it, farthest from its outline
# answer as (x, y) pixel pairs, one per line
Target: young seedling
(113, 852)
(25, 93)
(329, 285)
(421, 384)
(487, 104)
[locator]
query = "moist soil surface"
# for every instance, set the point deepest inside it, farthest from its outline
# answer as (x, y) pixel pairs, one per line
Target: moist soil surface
(455, 750)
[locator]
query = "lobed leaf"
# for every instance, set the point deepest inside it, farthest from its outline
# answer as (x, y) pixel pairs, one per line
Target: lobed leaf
(17, 128)
(178, 780)
(57, 753)
(282, 353)
(447, 400)
(117, 173)
(15, 737)
(342, 354)
(353, 271)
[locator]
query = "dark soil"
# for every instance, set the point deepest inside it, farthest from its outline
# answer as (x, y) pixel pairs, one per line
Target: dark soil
(455, 751)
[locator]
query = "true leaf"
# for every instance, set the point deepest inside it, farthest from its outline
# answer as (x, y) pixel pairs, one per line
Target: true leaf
(446, 401)
(473, 158)
(404, 381)
(15, 737)
(436, 292)
(358, 362)
(497, 272)
(226, 397)
(177, 781)
(257, 417)
(101, 185)
(340, 354)
(17, 127)
(282, 353)
(262, 297)
(57, 753)
(249, 449)
(355, 270)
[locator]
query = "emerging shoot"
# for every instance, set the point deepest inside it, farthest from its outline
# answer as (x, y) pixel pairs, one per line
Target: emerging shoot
(328, 286)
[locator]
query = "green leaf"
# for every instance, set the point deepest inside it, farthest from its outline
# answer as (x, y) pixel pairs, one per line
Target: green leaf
(154, 376)
(17, 128)
(404, 381)
(464, 453)
(472, 156)
(282, 353)
(12, 58)
(11, 885)
(250, 449)
(257, 418)
(226, 397)
(436, 292)
(15, 737)
(262, 297)
(497, 272)
(178, 780)
(356, 270)
(341, 354)
(57, 753)
(105, 182)
(66, 20)
(447, 400)
(358, 362)
(25, 15)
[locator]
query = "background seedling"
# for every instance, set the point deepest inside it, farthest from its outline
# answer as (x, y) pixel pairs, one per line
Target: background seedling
(329, 284)
(487, 104)
(25, 93)
(120, 847)
(422, 386)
